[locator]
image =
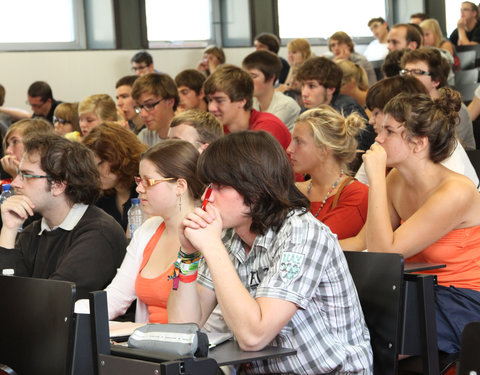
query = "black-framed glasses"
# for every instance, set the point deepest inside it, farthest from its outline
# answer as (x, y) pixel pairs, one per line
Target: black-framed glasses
(147, 106)
(61, 121)
(137, 68)
(23, 176)
(415, 72)
(147, 182)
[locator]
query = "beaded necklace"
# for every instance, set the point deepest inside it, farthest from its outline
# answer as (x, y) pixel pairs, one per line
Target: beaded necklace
(328, 193)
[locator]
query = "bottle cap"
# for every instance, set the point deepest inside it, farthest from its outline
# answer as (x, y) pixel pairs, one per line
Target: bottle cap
(6, 187)
(135, 201)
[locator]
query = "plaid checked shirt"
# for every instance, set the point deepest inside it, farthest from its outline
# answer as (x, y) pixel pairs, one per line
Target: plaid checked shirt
(304, 264)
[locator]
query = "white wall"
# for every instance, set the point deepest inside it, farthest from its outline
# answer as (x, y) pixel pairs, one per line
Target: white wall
(73, 75)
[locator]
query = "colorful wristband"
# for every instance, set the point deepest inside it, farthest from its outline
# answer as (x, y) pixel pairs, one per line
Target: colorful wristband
(188, 279)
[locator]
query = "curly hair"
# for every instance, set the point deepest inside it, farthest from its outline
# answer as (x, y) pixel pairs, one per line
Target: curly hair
(119, 147)
(423, 117)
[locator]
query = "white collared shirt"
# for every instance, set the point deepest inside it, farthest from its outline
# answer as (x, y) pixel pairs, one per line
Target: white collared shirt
(71, 220)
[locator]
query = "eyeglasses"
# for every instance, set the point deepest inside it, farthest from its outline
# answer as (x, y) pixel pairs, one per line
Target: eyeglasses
(148, 106)
(415, 72)
(137, 68)
(61, 121)
(147, 182)
(36, 106)
(23, 176)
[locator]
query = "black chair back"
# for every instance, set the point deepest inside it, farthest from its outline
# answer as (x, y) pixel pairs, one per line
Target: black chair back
(37, 325)
(378, 278)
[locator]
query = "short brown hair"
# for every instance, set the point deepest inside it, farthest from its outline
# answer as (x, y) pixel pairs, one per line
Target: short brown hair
(233, 81)
(383, 91)
(217, 52)
(270, 40)
(265, 61)
(177, 159)
(2, 94)
(322, 70)
(438, 67)
(159, 84)
(342, 37)
(126, 81)
(67, 162)
(119, 147)
(192, 79)
(69, 113)
(377, 19)
(207, 126)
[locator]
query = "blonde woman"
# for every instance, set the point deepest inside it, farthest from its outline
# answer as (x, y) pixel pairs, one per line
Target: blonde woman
(323, 145)
(354, 81)
(298, 51)
(94, 110)
(433, 37)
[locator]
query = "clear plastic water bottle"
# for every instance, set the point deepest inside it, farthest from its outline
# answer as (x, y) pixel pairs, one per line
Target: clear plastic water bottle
(6, 192)
(136, 216)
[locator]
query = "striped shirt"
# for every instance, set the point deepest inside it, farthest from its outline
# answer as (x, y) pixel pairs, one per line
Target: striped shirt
(304, 264)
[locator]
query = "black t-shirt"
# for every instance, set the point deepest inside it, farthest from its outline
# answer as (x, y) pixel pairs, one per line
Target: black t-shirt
(472, 35)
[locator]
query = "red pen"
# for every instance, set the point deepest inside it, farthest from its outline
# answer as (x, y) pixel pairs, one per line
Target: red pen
(207, 196)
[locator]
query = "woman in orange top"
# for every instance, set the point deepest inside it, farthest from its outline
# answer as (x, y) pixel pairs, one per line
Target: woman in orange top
(168, 188)
(422, 209)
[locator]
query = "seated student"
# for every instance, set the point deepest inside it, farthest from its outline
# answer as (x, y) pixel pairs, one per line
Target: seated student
(13, 142)
(271, 42)
(95, 109)
(433, 37)
(468, 26)
(126, 104)
(424, 210)
(321, 79)
(169, 188)
(418, 18)
(323, 144)
(381, 93)
(264, 68)
(230, 98)
(298, 52)
(391, 66)
(65, 119)
(5, 119)
(156, 97)
(341, 45)
(378, 48)
(273, 268)
(117, 155)
(190, 90)
(354, 81)
(74, 241)
(212, 58)
(200, 128)
(142, 63)
(428, 65)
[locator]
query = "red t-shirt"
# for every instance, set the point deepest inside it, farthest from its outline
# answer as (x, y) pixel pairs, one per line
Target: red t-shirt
(350, 213)
(271, 124)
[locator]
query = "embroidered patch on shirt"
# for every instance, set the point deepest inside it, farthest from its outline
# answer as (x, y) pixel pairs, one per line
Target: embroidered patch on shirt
(292, 264)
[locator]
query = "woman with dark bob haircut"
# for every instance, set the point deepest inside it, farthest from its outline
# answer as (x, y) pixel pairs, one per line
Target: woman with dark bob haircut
(117, 154)
(423, 210)
(168, 188)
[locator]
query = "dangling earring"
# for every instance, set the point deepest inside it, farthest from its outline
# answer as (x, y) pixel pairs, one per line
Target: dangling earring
(180, 202)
